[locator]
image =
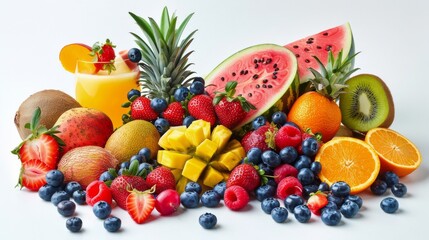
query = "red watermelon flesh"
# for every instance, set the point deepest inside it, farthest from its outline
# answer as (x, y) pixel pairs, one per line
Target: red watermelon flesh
(263, 72)
(318, 45)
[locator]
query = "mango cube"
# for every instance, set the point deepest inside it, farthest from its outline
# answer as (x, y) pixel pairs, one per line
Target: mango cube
(195, 134)
(177, 173)
(174, 159)
(206, 150)
(229, 160)
(205, 125)
(178, 141)
(193, 169)
(212, 177)
(181, 184)
(220, 136)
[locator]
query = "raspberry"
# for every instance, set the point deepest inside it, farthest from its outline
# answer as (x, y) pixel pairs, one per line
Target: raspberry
(98, 191)
(289, 185)
(236, 197)
(283, 171)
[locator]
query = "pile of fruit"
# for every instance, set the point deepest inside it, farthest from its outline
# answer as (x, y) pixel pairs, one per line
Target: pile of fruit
(289, 126)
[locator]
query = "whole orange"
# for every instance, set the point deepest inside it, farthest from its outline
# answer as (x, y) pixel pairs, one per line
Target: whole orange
(316, 112)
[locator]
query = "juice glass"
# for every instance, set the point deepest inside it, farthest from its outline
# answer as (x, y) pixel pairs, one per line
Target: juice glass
(106, 91)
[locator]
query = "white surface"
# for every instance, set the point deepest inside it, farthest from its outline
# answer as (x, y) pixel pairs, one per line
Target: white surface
(392, 36)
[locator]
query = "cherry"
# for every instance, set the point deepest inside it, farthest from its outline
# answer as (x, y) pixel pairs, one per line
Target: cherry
(167, 202)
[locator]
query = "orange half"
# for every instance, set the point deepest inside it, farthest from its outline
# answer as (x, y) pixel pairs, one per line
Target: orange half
(72, 53)
(350, 160)
(397, 153)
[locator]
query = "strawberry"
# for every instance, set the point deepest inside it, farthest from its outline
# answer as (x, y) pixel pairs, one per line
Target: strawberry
(316, 202)
(244, 175)
(162, 178)
(33, 174)
(287, 186)
(288, 135)
(122, 185)
(201, 107)
(283, 171)
(140, 109)
(140, 205)
(260, 138)
(174, 114)
(229, 109)
(41, 144)
(104, 56)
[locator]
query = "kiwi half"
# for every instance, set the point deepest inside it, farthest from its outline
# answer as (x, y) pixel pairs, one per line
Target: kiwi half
(366, 104)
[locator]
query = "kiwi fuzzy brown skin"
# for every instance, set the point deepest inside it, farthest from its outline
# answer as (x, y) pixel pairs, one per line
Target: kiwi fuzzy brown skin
(367, 81)
(52, 104)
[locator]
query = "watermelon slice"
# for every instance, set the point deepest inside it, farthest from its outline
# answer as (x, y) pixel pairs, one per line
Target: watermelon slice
(264, 74)
(319, 44)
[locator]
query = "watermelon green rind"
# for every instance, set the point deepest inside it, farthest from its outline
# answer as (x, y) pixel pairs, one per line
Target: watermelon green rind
(240, 60)
(342, 41)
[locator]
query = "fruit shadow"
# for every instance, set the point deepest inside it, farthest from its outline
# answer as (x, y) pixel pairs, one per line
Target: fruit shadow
(420, 175)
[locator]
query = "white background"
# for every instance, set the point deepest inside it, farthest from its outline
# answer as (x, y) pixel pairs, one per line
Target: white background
(392, 36)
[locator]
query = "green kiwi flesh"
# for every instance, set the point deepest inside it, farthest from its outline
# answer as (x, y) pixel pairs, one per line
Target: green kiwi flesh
(366, 104)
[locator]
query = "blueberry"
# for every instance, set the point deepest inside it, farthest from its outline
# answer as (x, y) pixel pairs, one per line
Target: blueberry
(208, 220)
(189, 199)
(303, 161)
(349, 209)
(102, 209)
(210, 199)
(79, 197)
(59, 196)
(356, 199)
(144, 167)
(125, 164)
(258, 122)
(132, 94)
(310, 146)
(330, 205)
(55, 178)
(254, 155)
(188, 120)
(309, 189)
(265, 191)
(271, 182)
(379, 187)
(399, 189)
(181, 94)
(331, 217)
(316, 167)
(137, 157)
(193, 187)
(268, 204)
(390, 178)
(288, 155)
(162, 125)
(158, 104)
(337, 200)
(323, 187)
(145, 152)
(112, 224)
(279, 214)
(389, 205)
(66, 208)
(302, 213)
(292, 201)
(74, 224)
(267, 169)
(197, 88)
(106, 176)
(340, 189)
(72, 186)
(46, 192)
(279, 118)
(134, 55)
(305, 176)
(199, 79)
(271, 158)
(120, 171)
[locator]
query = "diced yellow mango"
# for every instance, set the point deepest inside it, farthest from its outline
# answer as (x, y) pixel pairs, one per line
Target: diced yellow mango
(225, 176)
(181, 184)
(163, 140)
(229, 160)
(178, 141)
(231, 145)
(205, 125)
(218, 166)
(193, 169)
(206, 150)
(174, 159)
(159, 156)
(195, 134)
(239, 151)
(212, 177)
(177, 173)
(220, 135)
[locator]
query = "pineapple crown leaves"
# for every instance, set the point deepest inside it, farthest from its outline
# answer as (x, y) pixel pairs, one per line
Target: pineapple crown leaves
(38, 130)
(164, 64)
(229, 95)
(330, 81)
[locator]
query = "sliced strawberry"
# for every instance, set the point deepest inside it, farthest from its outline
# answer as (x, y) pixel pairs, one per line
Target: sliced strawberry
(140, 205)
(33, 174)
(44, 148)
(104, 55)
(316, 202)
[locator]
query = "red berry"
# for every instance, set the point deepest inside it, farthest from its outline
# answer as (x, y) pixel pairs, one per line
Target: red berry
(98, 191)
(163, 178)
(140, 205)
(316, 202)
(121, 186)
(236, 197)
(288, 135)
(174, 114)
(246, 176)
(258, 138)
(140, 109)
(201, 107)
(287, 186)
(33, 174)
(283, 171)
(167, 202)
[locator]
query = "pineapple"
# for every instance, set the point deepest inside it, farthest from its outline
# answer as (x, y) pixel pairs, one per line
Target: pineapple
(317, 111)
(195, 154)
(164, 64)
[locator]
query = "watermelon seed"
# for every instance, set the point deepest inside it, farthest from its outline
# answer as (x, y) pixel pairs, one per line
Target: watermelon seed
(325, 34)
(309, 41)
(265, 80)
(306, 49)
(276, 69)
(274, 77)
(249, 94)
(328, 48)
(319, 47)
(257, 86)
(264, 86)
(275, 65)
(246, 72)
(295, 46)
(255, 61)
(222, 78)
(269, 60)
(270, 86)
(256, 65)
(255, 76)
(307, 60)
(233, 74)
(297, 55)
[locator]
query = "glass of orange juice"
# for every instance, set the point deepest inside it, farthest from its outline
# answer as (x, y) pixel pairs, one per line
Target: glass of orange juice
(106, 91)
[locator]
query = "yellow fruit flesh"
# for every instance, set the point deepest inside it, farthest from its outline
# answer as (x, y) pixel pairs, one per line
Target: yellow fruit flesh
(193, 169)
(206, 150)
